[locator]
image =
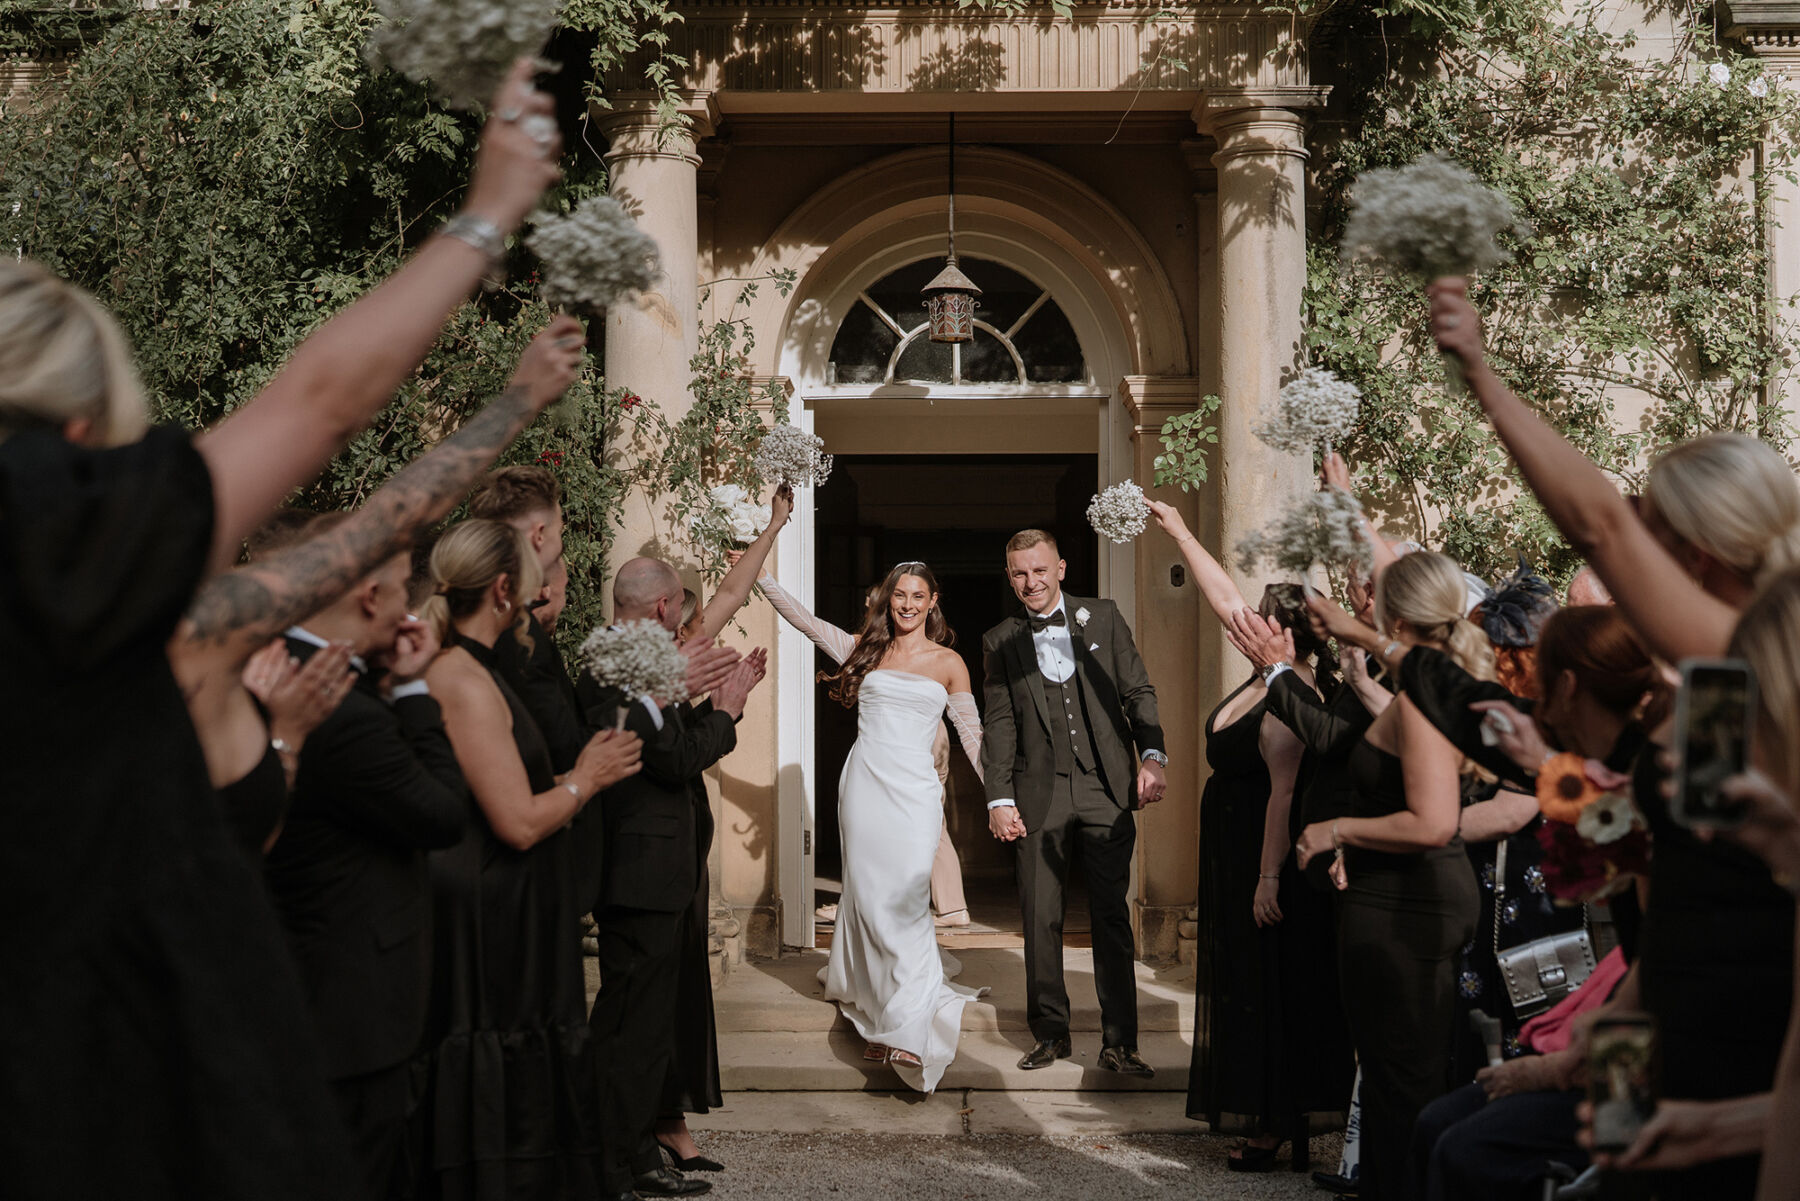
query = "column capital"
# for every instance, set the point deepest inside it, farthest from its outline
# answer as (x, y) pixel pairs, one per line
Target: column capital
(1771, 28)
(760, 386)
(1151, 400)
(637, 128)
(1219, 107)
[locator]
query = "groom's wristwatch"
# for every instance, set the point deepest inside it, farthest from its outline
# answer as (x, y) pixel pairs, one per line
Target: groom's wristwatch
(1156, 757)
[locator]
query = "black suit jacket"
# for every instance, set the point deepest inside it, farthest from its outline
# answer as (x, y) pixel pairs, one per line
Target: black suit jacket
(1018, 759)
(658, 823)
(377, 787)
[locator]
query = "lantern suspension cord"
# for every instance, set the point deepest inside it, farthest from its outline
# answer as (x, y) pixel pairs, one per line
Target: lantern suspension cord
(953, 187)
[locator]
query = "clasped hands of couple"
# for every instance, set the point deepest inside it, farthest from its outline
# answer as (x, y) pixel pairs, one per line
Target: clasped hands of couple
(1005, 823)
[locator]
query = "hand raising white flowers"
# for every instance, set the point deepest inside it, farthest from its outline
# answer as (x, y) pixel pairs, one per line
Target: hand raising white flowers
(594, 255)
(1119, 513)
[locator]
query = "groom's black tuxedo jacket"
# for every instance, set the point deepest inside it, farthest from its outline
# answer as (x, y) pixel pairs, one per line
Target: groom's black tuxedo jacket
(378, 785)
(658, 823)
(1018, 759)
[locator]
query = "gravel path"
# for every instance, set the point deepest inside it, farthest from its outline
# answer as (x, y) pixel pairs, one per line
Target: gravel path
(988, 1167)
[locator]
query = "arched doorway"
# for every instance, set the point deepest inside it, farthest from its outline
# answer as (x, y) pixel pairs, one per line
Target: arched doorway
(898, 412)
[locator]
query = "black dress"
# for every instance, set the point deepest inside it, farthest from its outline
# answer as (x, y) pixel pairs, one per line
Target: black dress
(1401, 922)
(692, 1085)
(153, 1038)
(511, 1103)
(1271, 1053)
(255, 804)
(1716, 971)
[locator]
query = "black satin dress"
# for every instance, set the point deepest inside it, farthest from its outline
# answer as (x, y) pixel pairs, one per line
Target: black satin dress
(1271, 1051)
(154, 1041)
(511, 1109)
(255, 804)
(1401, 923)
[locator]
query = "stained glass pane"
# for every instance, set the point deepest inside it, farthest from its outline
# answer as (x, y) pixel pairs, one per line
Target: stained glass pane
(924, 362)
(860, 352)
(985, 361)
(1050, 349)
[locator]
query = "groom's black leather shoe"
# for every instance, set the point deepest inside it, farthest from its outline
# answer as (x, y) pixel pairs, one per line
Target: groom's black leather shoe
(1125, 1060)
(1047, 1052)
(666, 1182)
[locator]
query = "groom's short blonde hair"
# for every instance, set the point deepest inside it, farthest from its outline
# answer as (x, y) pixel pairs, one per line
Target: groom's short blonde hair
(1026, 539)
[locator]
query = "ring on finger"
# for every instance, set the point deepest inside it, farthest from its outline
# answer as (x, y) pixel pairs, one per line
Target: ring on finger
(510, 114)
(1450, 322)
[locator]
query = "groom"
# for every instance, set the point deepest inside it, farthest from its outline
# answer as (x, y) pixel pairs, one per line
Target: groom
(1067, 703)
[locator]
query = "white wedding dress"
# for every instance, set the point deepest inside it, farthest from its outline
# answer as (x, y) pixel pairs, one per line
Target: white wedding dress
(886, 971)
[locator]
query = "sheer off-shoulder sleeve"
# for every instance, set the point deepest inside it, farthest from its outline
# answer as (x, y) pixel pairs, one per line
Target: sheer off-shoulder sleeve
(968, 727)
(825, 636)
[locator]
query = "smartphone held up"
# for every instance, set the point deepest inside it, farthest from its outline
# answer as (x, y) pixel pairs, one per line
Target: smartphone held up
(1715, 711)
(1621, 1085)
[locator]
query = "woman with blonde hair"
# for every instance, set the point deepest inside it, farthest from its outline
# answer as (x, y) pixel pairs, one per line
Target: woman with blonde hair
(511, 1099)
(1719, 518)
(1410, 900)
(144, 961)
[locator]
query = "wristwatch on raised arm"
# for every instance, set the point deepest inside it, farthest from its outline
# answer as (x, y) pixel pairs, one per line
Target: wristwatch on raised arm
(1269, 673)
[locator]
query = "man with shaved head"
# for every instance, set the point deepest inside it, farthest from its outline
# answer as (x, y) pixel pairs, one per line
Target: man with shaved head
(651, 911)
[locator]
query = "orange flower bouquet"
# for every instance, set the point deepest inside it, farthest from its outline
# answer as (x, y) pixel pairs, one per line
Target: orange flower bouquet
(1593, 837)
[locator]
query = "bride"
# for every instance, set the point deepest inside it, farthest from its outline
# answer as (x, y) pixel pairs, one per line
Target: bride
(900, 675)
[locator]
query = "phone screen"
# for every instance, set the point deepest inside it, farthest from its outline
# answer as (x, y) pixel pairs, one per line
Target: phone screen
(1716, 708)
(1620, 1086)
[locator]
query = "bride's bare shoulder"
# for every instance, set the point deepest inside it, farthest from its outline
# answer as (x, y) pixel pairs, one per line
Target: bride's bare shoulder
(948, 668)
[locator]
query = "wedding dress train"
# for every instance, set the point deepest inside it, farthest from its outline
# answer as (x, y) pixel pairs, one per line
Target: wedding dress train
(885, 970)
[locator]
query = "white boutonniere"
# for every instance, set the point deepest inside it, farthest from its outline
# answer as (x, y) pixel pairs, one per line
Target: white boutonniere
(1081, 616)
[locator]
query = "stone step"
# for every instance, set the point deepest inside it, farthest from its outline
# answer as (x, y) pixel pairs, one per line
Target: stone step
(784, 995)
(949, 1112)
(784, 1061)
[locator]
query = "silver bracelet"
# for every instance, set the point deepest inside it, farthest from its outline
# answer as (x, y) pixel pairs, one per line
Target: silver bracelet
(1261, 876)
(573, 791)
(484, 236)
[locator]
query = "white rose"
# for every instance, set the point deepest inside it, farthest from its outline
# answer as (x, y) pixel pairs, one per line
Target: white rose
(1757, 87)
(1081, 616)
(1607, 819)
(1719, 73)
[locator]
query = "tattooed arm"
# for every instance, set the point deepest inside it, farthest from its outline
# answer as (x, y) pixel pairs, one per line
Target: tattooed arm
(346, 372)
(234, 614)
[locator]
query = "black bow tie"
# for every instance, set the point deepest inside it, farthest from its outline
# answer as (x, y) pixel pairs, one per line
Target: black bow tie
(1040, 624)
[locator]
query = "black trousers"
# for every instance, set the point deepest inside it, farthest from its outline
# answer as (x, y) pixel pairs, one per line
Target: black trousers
(380, 1110)
(1081, 811)
(1400, 925)
(1467, 1148)
(633, 1023)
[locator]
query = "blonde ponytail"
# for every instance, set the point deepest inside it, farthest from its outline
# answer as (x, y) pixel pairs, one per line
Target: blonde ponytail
(464, 565)
(1428, 592)
(1734, 498)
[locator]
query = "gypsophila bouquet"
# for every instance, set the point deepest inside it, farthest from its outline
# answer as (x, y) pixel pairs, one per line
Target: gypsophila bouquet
(731, 517)
(1324, 527)
(463, 48)
(1315, 409)
(789, 455)
(1119, 513)
(593, 256)
(1428, 219)
(639, 658)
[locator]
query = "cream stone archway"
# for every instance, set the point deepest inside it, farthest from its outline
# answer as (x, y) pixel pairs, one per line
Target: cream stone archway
(1011, 209)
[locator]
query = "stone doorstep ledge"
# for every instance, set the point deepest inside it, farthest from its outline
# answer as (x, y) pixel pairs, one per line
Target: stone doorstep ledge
(985, 1060)
(947, 1112)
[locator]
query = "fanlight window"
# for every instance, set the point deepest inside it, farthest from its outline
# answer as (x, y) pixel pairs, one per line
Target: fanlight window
(1021, 335)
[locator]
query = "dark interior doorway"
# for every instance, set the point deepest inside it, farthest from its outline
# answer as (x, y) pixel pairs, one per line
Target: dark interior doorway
(954, 513)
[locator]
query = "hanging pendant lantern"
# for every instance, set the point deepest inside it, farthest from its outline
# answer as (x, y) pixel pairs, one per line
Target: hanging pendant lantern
(950, 302)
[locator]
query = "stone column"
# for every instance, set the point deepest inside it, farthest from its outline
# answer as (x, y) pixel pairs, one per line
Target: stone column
(1773, 31)
(648, 345)
(1261, 161)
(1166, 629)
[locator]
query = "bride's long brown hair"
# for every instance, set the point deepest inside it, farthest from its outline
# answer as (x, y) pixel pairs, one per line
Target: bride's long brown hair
(878, 634)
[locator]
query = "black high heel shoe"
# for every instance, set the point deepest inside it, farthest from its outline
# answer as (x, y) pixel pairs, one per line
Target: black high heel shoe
(694, 1163)
(1261, 1159)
